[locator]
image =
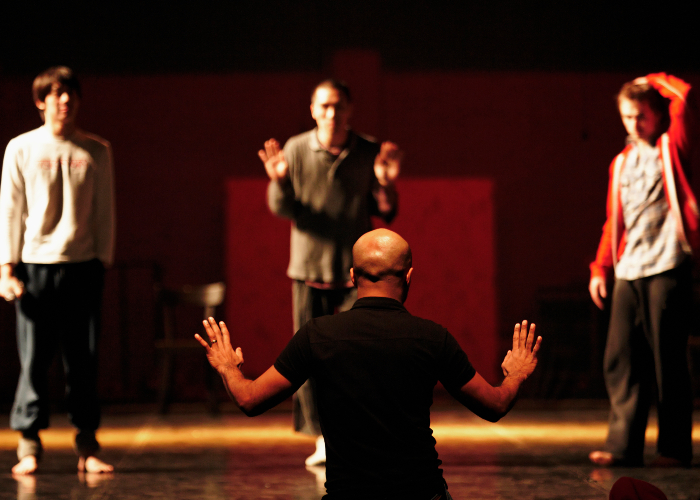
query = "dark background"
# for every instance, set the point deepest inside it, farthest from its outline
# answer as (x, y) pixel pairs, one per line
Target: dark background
(517, 92)
(163, 37)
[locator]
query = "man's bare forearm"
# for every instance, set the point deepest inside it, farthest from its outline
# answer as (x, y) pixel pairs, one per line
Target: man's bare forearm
(508, 391)
(489, 402)
(254, 397)
(492, 403)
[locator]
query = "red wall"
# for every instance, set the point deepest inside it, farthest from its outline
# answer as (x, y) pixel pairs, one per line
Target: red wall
(543, 140)
(447, 222)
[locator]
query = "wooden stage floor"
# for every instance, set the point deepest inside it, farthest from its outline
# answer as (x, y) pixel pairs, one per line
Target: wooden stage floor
(535, 452)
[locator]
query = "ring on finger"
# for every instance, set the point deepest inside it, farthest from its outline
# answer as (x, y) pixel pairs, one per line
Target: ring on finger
(214, 341)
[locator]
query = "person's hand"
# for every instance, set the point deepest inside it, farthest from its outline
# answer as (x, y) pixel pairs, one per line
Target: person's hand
(221, 354)
(598, 290)
(11, 288)
(387, 164)
(272, 157)
(522, 359)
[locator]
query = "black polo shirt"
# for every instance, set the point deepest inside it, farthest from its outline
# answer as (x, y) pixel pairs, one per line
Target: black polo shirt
(375, 367)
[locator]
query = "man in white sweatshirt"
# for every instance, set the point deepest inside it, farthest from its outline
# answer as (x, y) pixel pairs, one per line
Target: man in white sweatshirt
(56, 237)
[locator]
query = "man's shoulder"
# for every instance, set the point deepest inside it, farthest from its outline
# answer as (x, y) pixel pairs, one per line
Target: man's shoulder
(382, 310)
(91, 139)
(365, 140)
(299, 140)
(620, 157)
(39, 135)
(27, 137)
(363, 144)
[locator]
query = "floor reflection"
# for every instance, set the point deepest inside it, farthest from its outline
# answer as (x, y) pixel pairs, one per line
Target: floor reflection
(532, 454)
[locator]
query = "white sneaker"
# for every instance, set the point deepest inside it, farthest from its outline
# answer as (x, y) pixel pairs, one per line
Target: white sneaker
(319, 456)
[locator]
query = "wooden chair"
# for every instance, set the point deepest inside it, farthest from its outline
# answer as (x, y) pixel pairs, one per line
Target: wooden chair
(168, 301)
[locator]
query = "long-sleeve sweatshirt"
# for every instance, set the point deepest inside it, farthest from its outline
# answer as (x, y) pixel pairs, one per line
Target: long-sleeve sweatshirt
(56, 199)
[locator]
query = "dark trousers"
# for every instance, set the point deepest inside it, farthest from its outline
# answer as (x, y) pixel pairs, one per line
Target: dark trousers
(60, 310)
(647, 342)
(309, 303)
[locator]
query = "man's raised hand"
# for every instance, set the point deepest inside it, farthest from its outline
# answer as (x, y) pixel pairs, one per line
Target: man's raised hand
(387, 164)
(220, 353)
(273, 159)
(522, 359)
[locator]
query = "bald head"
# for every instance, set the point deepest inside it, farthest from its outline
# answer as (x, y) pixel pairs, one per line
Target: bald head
(381, 264)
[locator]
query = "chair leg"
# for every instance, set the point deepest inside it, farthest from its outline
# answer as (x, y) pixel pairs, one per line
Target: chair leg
(166, 381)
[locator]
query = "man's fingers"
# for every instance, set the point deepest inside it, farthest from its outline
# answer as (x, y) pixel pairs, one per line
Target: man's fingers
(272, 147)
(530, 338)
(536, 348)
(390, 156)
(388, 147)
(202, 341)
(522, 338)
(598, 290)
(599, 303)
(212, 329)
(226, 336)
(388, 150)
(537, 345)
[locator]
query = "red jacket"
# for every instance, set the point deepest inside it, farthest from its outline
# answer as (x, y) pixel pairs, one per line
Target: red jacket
(676, 150)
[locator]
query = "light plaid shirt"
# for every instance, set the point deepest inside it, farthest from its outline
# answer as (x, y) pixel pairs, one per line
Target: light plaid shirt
(652, 237)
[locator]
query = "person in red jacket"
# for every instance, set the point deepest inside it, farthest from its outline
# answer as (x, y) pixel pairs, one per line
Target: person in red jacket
(648, 239)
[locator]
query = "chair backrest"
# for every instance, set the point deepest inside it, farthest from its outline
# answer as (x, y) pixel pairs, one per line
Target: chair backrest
(207, 296)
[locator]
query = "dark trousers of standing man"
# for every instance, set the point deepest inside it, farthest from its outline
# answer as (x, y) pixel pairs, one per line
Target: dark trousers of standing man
(309, 303)
(60, 310)
(647, 342)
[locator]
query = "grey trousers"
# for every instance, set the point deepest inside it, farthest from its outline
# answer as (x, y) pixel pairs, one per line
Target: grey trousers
(309, 303)
(646, 345)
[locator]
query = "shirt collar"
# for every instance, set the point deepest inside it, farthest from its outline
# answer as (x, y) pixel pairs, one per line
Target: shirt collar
(316, 146)
(378, 303)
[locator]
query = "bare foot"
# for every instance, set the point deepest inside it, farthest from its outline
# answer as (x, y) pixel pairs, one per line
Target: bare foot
(93, 464)
(25, 466)
(602, 458)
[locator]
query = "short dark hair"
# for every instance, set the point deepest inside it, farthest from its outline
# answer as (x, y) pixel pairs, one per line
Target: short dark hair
(332, 83)
(58, 74)
(643, 92)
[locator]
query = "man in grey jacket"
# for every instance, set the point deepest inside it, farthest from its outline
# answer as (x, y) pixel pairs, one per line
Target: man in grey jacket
(328, 181)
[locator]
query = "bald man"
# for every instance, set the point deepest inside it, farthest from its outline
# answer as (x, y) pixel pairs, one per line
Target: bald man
(375, 367)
